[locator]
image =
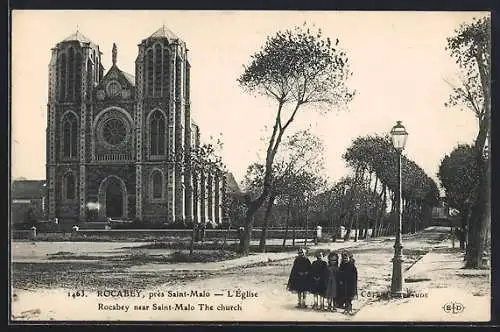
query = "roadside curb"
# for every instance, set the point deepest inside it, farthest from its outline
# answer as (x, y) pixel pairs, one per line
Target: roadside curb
(431, 250)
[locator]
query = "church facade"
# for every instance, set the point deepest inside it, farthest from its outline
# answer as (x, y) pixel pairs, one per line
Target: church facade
(118, 145)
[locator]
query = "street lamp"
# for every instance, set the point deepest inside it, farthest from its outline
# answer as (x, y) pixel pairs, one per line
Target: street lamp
(399, 136)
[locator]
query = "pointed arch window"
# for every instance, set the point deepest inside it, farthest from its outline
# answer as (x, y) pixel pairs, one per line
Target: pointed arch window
(158, 70)
(166, 72)
(69, 136)
(178, 82)
(157, 185)
(186, 82)
(149, 72)
(157, 130)
(62, 77)
(71, 74)
(78, 75)
(69, 187)
(90, 76)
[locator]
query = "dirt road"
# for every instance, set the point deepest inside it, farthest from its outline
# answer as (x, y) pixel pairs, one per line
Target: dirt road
(243, 294)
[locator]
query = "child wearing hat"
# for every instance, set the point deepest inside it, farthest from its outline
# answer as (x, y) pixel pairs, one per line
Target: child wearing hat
(348, 281)
(332, 280)
(319, 274)
(299, 277)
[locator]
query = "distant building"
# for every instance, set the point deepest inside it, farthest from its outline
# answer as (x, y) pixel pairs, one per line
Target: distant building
(28, 201)
(441, 213)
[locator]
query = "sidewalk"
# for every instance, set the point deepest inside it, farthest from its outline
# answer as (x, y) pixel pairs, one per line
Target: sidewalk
(437, 279)
(249, 260)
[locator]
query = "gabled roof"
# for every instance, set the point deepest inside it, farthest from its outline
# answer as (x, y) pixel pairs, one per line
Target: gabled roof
(27, 189)
(114, 69)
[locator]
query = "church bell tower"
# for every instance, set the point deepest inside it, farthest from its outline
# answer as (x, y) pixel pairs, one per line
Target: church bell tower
(75, 68)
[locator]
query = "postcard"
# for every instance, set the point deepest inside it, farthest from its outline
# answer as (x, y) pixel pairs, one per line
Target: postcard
(243, 166)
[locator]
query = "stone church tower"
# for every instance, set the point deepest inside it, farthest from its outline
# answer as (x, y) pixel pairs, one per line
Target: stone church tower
(118, 146)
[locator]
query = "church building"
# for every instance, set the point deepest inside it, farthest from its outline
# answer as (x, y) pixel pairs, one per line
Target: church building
(118, 145)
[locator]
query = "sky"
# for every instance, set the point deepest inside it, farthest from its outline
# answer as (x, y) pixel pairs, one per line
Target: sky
(398, 59)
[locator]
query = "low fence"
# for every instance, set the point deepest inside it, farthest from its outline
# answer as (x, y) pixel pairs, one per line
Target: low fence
(151, 235)
(157, 234)
(22, 234)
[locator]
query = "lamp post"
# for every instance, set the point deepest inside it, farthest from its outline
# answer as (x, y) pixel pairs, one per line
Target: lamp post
(399, 136)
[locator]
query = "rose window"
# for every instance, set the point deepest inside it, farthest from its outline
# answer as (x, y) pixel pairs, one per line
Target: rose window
(114, 131)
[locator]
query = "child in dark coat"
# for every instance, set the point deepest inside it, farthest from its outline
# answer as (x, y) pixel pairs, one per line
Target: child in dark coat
(332, 281)
(299, 277)
(319, 275)
(348, 281)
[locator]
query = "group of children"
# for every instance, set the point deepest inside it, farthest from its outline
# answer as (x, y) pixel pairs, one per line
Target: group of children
(338, 284)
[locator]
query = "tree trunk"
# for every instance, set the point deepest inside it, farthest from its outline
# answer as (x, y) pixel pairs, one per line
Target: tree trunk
(307, 224)
(381, 212)
(375, 220)
(375, 201)
(249, 217)
(470, 234)
(333, 225)
(249, 220)
(480, 216)
(356, 231)
(367, 226)
(272, 149)
(375, 187)
(409, 216)
(393, 202)
(287, 221)
(415, 216)
(487, 214)
(382, 209)
(351, 225)
(263, 233)
(385, 229)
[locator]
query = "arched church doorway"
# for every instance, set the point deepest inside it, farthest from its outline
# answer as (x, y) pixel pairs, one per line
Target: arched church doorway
(113, 198)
